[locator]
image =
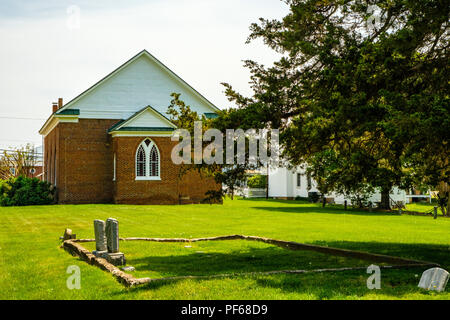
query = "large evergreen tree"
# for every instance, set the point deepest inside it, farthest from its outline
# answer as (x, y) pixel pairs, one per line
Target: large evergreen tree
(361, 92)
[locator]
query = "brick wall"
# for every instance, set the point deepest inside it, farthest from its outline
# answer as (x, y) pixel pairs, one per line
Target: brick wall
(84, 162)
(78, 159)
(170, 189)
(193, 186)
(50, 155)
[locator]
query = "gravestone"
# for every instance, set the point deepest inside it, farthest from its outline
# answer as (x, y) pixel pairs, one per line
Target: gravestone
(112, 243)
(112, 235)
(100, 238)
(68, 235)
(434, 279)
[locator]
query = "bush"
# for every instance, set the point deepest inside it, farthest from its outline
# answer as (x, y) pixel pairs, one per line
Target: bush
(257, 181)
(313, 196)
(299, 198)
(23, 191)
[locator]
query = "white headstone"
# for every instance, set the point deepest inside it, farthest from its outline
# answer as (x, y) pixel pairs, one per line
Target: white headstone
(434, 279)
(100, 235)
(112, 235)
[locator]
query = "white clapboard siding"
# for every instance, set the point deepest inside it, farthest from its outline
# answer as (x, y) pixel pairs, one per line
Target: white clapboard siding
(140, 83)
(148, 118)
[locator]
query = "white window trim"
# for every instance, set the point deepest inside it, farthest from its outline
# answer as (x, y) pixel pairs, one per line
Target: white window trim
(148, 178)
(147, 150)
(114, 167)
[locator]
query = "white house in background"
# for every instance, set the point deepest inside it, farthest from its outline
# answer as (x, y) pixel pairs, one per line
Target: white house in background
(287, 183)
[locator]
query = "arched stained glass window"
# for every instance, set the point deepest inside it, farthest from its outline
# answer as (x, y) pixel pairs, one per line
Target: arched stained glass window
(140, 162)
(154, 162)
(147, 161)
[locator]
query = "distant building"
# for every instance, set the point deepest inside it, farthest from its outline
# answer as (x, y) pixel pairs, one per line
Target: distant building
(10, 169)
(285, 183)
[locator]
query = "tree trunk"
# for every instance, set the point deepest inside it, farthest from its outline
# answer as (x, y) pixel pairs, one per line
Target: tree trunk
(443, 201)
(443, 209)
(385, 203)
(448, 205)
(324, 201)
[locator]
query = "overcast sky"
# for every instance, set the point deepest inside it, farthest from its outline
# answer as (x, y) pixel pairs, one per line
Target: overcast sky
(45, 54)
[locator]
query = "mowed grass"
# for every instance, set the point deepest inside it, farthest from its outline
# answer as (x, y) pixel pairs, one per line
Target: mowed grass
(423, 207)
(159, 259)
(32, 266)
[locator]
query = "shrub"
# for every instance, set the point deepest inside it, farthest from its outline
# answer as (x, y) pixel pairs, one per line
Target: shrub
(313, 196)
(23, 191)
(300, 198)
(257, 181)
(213, 196)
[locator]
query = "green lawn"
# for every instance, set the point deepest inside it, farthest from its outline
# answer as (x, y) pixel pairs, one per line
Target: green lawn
(32, 266)
(158, 260)
(423, 206)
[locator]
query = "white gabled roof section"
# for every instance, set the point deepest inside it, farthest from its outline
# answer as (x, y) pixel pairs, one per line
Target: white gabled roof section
(144, 80)
(146, 119)
(141, 81)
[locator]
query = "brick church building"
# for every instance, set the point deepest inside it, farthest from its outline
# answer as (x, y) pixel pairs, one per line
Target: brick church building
(112, 143)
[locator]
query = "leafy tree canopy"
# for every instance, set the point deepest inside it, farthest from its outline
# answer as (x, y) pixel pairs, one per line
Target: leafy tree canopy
(360, 95)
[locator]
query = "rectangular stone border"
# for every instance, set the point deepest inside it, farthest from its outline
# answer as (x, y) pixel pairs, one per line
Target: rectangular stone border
(73, 247)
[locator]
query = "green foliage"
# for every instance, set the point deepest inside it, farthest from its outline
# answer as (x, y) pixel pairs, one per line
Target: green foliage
(22, 160)
(257, 181)
(313, 197)
(183, 116)
(361, 196)
(230, 176)
(23, 191)
(359, 105)
(213, 196)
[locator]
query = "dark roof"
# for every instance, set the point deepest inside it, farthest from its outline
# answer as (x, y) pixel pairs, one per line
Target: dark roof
(211, 115)
(69, 112)
(146, 129)
(116, 125)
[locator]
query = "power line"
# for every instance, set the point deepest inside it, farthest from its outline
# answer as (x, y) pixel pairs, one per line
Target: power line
(32, 152)
(19, 140)
(21, 118)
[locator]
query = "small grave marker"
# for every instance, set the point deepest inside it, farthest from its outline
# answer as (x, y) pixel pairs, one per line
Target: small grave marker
(112, 243)
(100, 238)
(68, 235)
(434, 279)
